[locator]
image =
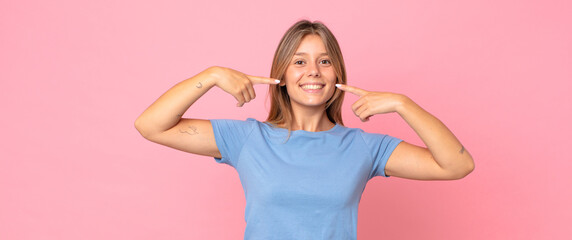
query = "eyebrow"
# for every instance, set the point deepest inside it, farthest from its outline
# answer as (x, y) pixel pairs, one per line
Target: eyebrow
(303, 53)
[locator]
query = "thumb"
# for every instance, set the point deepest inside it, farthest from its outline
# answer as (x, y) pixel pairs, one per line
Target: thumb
(354, 90)
(263, 80)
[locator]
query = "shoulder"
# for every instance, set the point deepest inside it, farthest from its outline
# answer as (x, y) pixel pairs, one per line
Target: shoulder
(234, 122)
(369, 137)
(344, 129)
(354, 131)
(232, 125)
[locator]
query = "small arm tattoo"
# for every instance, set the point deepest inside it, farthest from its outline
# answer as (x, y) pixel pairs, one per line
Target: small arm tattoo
(462, 149)
(192, 130)
(199, 85)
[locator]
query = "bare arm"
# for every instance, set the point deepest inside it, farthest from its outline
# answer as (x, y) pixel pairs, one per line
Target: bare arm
(162, 123)
(444, 158)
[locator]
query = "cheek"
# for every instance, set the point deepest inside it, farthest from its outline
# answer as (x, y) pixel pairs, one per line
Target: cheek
(330, 75)
(292, 75)
(331, 92)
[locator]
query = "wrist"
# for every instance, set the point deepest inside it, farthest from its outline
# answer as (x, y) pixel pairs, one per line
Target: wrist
(210, 76)
(404, 105)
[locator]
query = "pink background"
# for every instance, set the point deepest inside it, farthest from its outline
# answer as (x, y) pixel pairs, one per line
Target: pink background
(75, 75)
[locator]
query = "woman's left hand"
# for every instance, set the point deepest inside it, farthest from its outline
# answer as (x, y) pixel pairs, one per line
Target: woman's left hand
(371, 103)
(444, 158)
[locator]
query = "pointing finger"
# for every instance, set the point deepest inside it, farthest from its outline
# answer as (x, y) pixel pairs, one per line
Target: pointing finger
(263, 80)
(354, 90)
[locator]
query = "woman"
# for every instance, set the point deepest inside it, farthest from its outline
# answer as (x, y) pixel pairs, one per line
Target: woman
(302, 171)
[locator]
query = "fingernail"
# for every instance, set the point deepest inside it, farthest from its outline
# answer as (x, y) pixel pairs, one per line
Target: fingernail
(338, 85)
(277, 81)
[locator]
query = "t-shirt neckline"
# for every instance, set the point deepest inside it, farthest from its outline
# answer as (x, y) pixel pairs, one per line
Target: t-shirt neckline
(333, 129)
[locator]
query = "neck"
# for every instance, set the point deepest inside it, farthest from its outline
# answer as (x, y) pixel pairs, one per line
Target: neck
(311, 119)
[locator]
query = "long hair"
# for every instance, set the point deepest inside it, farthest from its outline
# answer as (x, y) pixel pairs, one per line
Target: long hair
(280, 107)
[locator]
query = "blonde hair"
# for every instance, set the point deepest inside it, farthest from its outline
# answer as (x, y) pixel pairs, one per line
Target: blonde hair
(280, 107)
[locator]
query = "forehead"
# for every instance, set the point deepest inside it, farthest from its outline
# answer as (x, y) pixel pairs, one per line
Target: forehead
(311, 43)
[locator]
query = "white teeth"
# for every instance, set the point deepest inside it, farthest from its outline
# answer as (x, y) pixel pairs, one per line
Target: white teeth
(311, 87)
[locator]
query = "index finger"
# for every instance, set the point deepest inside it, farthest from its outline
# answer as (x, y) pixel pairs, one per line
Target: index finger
(357, 91)
(263, 80)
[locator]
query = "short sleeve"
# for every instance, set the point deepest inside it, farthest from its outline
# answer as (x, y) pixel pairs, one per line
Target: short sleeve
(381, 146)
(230, 137)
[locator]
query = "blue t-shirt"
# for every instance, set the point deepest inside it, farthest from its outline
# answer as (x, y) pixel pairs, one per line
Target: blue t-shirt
(307, 186)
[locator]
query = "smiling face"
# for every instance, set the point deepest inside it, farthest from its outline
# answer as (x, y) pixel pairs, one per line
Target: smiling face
(289, 98)
(310, 77)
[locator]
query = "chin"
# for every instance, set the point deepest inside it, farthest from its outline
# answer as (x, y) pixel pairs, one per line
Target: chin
(311, 103)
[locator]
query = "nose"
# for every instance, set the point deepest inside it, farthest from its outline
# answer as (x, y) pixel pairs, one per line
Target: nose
(313, 70)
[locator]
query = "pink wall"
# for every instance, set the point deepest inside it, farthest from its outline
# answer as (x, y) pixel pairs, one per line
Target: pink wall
(74, 76)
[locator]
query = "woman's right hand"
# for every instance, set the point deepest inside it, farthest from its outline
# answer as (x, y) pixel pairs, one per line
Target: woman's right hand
(162, 122)
(238, 84)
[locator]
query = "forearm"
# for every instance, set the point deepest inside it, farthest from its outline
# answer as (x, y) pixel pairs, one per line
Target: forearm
(168, 109)
(445, 148)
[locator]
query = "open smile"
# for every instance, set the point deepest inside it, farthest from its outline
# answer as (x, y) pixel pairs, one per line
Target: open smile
(313, 87)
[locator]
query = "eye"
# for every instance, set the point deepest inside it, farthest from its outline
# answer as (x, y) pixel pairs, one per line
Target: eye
(325, 61)
(298, 62)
